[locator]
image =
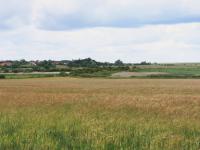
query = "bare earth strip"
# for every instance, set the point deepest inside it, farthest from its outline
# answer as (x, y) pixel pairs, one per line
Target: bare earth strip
(137, 74)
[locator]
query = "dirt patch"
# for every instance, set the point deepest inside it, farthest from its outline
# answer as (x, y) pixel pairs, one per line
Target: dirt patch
(137, 74)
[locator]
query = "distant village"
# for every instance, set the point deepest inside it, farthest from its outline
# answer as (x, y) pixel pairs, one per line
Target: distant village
(88, 62)
(33, 63)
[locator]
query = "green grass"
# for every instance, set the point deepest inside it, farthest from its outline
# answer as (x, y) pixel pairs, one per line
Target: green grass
(167, 76)
(62, 128)
(105, 114)
(174, 71)
(92, 74)
(25, 76)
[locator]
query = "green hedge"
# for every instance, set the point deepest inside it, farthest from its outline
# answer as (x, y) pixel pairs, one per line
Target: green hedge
(2, 76)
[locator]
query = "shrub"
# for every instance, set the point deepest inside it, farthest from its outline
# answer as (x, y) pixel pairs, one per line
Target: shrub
(63, 74)
(2, 76)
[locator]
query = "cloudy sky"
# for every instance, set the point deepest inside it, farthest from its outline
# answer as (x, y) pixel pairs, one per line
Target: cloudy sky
(106, 30)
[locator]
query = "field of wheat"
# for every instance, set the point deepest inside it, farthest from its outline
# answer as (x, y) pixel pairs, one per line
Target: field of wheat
(70, 113)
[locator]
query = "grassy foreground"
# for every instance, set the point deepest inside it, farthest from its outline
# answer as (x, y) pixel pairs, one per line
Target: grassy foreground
(69, 113)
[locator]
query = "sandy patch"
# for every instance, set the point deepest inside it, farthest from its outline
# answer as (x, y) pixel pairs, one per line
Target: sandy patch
(137, 74)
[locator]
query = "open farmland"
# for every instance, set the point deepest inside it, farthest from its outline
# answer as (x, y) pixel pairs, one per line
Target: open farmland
(70, 113)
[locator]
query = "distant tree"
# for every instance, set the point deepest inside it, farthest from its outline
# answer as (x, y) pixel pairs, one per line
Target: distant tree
(46, 64)
(15, 64)
(118, 63)
(145, 63)
(88, 62)
(2, 76)
(22, 62)
(63, 74)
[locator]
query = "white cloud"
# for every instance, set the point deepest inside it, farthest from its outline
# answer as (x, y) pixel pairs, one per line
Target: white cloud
(15, 13)
(69, 14)
(152, 30)
(156, 43)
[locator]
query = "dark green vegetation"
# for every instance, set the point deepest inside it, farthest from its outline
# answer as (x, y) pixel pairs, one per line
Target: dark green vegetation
(173, 70)
(75, 68)
(91, 68)
(93, 114)
(54, 66)
(24, 76)
(2, 76)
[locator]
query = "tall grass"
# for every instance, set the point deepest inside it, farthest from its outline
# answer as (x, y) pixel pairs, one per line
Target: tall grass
(60, 113)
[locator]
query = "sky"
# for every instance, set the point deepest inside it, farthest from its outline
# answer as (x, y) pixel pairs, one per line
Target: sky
(105, 30)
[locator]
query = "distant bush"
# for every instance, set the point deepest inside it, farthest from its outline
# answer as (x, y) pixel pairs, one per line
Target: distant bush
(88, 62)
(63, 74)
(2, 76)
(145, 63)
(16, 71)
(119, 63)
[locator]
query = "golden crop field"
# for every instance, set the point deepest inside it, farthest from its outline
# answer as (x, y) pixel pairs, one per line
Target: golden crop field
(70, 113)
